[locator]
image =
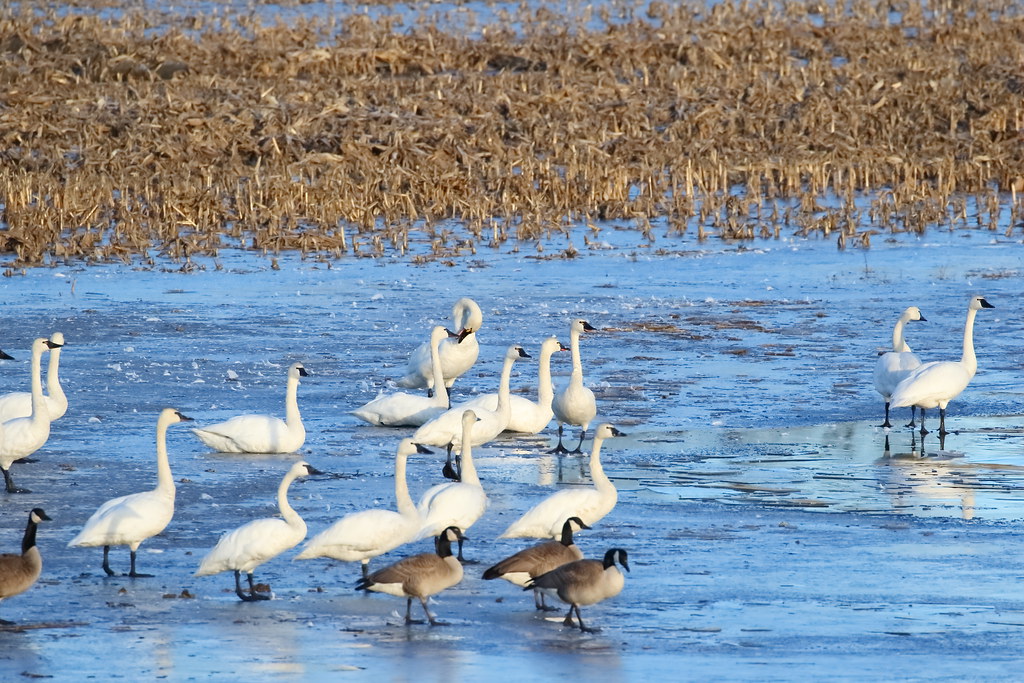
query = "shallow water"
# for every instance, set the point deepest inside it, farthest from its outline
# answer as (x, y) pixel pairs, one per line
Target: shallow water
(771, 534)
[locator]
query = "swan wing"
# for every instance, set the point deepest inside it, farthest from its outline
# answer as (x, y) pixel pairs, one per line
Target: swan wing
(250, 545)
(456, 504)
(252, 434)
(931, 384)
(128, 519)
(399, 410)
(360, 535)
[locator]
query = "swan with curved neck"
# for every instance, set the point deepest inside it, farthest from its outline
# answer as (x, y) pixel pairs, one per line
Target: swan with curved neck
(457, 354)
(361, 536)
(261, 433)
(130, 520)
(935, 384)
(19, 403)
(526, 416)
(460, 503)
(20, 437)
(575, 403)
(893, 366)
(589, 503)
(402, 409)
(252, 544)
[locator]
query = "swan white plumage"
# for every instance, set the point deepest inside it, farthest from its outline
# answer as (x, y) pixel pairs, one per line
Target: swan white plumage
(361, 536)
(20, 437)
(261, 540)
(892, 366)
(575, 404)
(445, 430)
(402, 409)
(130, 520)
(937, 383)
(460, 503)
(457, 354)
(261, 433)
(589, 503)
(19, 403)
(526, 416)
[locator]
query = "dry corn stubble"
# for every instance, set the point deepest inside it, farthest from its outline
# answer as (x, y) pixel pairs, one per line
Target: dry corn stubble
(137, 136)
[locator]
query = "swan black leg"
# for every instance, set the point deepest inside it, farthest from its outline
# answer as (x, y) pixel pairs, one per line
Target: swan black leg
(579, 446)
(448, 471)
(134, 574)
(106, 561)
(923, 430)
(913, 417)
(942, 422)
(559, 448)
(366, 570)
(11, 488)
(886, 423)
(252, 591)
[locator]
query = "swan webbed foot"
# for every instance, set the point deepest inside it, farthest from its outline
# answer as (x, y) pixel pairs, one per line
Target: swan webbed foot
(559, 449)
(435, 622)
(589, 629)
(886, 424)
(137, 575)
(28, 460)
(449, 472)
(11, 488)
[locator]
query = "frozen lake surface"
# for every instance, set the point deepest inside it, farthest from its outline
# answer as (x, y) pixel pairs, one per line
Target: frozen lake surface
(772, 534)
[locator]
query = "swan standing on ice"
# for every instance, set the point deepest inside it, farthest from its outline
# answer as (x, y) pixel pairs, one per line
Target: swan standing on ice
(460, 503)
(893, 366)
(402, 409)
(20, 437)
(445, 430)
(937, 383)
(261, 433)
(457, 354)
(19, 403)
(252, 544)
(575, 403)
(526, 416)
(130, 520)
(18, 572)
(538, 559)
(584, 582)
(361, 536)
(589, 503)
(419, 576)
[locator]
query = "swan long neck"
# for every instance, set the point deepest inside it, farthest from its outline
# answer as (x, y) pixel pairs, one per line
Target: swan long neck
(53, 386)
(504, 402)
(39, 410)
(287, 511)
(468, 473)
(291, 402)
(574, 345)
(164, 479)
(899, 343)
(968, 359)
(545, 392)
(440, 390)
(601, 480)
(406, 507)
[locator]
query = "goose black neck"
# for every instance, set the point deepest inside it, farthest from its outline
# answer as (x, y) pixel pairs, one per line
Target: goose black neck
(30, 536)
(444, 545)
(567, 534)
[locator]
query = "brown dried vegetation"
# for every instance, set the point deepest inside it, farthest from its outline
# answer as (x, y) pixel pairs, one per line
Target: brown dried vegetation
(135, 136)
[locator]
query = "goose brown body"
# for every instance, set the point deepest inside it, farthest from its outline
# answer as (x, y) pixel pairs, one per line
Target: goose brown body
(584, 582)
(19, 572)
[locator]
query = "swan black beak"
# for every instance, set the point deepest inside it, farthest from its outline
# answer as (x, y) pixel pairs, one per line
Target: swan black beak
(183, 418)
(587, 327)
(465, 332)
(985, 304)
(4, 356)
(312, 470)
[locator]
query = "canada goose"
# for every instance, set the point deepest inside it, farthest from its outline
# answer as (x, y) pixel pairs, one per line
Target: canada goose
(19, 403)
(589, 503)
(19, 572)
(20, 437)
(402, 409)
(584, 582)
(458, 504)
(420, 576)
(130, 520)
(538, 559)
(526, 416)
(252, 544)
(457, 354)
(574, 404)
(361, 536)
(893, 366)
(446, 429)
(261, 433)
(937, 383)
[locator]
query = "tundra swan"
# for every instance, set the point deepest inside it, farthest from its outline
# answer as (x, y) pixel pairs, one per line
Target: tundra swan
(19, 403)
(457, 354)
(575, 404)
(892, 366)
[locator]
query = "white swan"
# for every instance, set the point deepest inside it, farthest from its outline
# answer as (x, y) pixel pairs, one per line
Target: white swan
(361, 536)
(575, 403)
(893, 366)
(445, 430)
(937, 383)
(20, 437)
(589, 503)
(252, 544)
(526, 416)
(458, 504)
(261, 433)
(19, 403)
(410, 410)
(130, 520)
(457, 354)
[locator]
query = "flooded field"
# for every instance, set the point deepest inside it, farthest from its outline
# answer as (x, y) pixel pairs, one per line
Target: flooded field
(774, 531)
